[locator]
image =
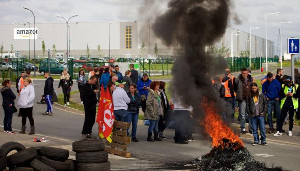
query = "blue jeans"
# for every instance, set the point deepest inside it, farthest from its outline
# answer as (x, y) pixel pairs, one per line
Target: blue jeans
(133, 118)
(153, 126)
(259, 121)
(121, 115)
(273, 104)
(8, 113)
(242, 113)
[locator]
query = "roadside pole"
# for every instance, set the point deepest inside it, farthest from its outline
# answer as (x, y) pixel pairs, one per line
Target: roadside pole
(49, 62)
(293, 48)
(293, 67)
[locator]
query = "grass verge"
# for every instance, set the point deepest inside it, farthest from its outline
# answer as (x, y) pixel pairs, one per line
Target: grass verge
(74, 105)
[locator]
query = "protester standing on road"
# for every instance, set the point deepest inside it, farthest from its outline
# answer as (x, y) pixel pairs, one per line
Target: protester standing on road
(89, 102)
(134, 74)
(105, 78)
(18, 80)
(118, 73)
(81, 80)
(133, 110)
(120, 101)
(290, 93)
(279, 76)
(66, 83)
(128, 80)
(257, 107)
(228, 96)
(48, 92)
(143, 88)
(8, 104)
(243, 92)
(271, 89)
(164, 119)
(25, 103)
(153, 110)
(21, 80)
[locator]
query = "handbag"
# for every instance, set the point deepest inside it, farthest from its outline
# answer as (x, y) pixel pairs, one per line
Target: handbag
(14, 109)
(54, 97)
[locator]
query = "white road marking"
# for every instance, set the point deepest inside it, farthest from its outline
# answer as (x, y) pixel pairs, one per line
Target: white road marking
(264, 155)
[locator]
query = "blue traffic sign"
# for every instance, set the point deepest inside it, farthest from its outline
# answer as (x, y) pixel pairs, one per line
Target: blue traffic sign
(293, 46)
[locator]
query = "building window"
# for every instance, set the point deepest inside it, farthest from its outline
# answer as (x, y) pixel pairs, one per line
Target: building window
(128, 38)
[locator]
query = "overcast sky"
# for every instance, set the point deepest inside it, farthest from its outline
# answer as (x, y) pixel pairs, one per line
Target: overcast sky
(251, 12)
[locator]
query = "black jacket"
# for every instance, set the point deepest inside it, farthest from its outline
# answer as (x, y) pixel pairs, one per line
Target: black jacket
(165, 102)
(134, 104)
(8, 96)
(66, 85)
(134, 76)
(48, 89)
(88, 96)
(17, 83)
(262, 103)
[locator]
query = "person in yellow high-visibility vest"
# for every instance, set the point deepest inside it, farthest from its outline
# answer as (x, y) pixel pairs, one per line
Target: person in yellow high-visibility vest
(289, 103)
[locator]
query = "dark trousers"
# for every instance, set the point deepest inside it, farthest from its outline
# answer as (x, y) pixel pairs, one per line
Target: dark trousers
(143, 104)
(27, 113)
(89, 119)
(287, 107)
(66, 97)
(121, 115)
(183, 125)
(8, 113)
(80, 91)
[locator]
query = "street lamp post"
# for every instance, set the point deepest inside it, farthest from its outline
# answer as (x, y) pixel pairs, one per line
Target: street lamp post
(34, 33)
(68, 27)
(266, 20)
(231, 48)
(109, 39)
(29, 40)
(251, 28)
(149, 36)
(287, 22)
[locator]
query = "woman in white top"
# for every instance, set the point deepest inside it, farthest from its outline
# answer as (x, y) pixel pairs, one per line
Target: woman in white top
(25, 103)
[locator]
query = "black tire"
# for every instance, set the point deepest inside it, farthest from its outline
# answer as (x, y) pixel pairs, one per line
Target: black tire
(67, 165)
(22, 169)
(2, 160)
(54, 153)
(10, 146)
(21, 157)
(92, 157)
(88, 145)
(93, 166)
(40, 166)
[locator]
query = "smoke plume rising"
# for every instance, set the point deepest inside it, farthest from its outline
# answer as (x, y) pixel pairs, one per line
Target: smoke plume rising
(194, 25)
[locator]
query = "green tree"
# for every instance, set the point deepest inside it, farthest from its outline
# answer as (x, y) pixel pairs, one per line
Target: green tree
(156, 50)
(53, 49)
(99, 51)
(88, 50)
(222, 51)
(1, 50)
(245, 53)
(142, 49)
(43, 48)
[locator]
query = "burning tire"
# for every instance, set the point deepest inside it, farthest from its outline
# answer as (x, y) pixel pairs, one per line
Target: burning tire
(10, 146)
(21, 157)
(22, 169)
(40, 166)
(92, 157)
(2, 160)
(88, 145)
(67, 165)
(54, 153)
(93, 166)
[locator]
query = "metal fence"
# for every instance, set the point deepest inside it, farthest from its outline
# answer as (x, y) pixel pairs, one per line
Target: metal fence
(11, 69)
(237, 63)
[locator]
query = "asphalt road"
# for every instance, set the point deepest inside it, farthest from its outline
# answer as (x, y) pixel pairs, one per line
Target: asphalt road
(68, 125)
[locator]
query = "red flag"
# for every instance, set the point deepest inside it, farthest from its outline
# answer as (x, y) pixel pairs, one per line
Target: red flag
(100, 115)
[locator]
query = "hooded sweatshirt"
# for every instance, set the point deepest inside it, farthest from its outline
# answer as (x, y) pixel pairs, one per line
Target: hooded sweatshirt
(27, 96)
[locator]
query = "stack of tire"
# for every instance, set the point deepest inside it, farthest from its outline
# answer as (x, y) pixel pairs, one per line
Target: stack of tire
(40, 158)
(90, 155)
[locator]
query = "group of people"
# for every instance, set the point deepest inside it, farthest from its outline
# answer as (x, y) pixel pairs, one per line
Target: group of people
(279, 94)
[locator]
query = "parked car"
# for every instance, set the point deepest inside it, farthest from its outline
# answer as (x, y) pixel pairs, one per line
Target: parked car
(90, 66)
(55, 67)
(4, 66)
(30, 66)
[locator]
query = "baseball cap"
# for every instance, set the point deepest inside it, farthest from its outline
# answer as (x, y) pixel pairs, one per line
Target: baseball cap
(117, 83)
(288, 78)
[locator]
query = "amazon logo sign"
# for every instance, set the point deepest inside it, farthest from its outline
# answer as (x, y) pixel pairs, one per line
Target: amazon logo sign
(25, 33)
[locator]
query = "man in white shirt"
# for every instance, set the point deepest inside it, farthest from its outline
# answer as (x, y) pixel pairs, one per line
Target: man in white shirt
(120, 101)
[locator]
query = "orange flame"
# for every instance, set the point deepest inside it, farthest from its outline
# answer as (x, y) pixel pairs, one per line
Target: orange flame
(222, 135)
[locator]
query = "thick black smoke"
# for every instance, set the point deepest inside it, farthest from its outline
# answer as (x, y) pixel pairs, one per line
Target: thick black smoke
(194, 25)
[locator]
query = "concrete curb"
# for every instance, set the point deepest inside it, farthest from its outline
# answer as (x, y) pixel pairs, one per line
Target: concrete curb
(68, 109)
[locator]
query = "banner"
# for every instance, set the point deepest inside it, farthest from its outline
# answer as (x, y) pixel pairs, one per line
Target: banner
(25, 33)
(105, 116)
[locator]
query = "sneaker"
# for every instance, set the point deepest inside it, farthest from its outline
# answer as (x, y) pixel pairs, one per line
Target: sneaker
(191, 139)
(182, 142)
(65, 104)
(10, 132)
(277, 134)
(81, 102)
(264, 143)
(5, 131)
(50, 113)
(243, 131)
(68, 103)
(46, 113)
(290, 133)
(134, 140)
(254, 144)
(271, 130)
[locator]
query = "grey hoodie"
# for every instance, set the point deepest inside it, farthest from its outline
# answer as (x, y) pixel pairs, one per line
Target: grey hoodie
(27, 96)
